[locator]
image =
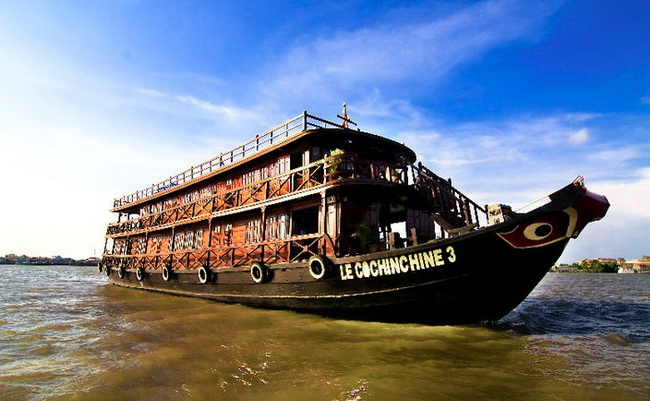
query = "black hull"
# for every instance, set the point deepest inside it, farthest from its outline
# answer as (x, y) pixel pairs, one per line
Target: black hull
(474, 277)
(471, 292)
(487, 294)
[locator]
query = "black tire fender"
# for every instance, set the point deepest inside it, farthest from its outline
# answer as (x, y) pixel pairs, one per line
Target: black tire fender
(204, 274)
(166, 273)
(259, 272)
(319, 267)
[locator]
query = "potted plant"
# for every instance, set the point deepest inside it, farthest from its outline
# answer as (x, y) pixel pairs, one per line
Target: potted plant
(366, 236)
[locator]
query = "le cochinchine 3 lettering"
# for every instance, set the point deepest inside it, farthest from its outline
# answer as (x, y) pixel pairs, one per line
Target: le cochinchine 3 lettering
(397, 264)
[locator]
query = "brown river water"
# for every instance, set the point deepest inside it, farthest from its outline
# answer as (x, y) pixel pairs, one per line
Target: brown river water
(65, 334)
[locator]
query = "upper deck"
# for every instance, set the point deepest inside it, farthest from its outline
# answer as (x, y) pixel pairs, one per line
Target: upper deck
(290, 131)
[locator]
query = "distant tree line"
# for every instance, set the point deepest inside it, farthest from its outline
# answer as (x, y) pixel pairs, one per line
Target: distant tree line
(595, 266)
(13, 259)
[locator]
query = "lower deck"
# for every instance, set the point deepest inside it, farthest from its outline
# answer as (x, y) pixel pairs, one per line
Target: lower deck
(342, 221)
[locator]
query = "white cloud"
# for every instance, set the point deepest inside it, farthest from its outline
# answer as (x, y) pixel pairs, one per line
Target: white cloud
(623, 231)
(629, 197)
(521, 159)
(581, 117)
(229, 112)
(151, 92)
(415, 51)
(373, 104)
(579, 137)
(617, 155)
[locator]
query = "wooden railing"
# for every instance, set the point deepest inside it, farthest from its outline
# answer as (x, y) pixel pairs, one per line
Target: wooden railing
(289, 250)
(287, 129)
(294, 181)
(452, 209)
(349, 166)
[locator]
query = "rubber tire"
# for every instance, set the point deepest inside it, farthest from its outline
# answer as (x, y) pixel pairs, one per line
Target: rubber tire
(166, 273)
(259, 272)
(139, 273)
(204, 274)
(318, 267)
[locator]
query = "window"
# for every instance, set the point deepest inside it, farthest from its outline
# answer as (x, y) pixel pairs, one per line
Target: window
(178, 243)
(305, 221)
(168, 204)
(141, 246)
(253, 231)
(222, 235)
(277, 227)
(198, 239)
(187, 240)
(119, 247)
(207, 191)
(156, 243)
(279, 166)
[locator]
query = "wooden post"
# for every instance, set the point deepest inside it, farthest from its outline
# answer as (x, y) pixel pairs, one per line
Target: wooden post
(263, 233)
(209, 241)
(172, 240)
(414, 236)
(323, 220)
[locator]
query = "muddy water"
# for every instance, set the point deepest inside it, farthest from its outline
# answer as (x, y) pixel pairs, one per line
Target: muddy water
(65, 334)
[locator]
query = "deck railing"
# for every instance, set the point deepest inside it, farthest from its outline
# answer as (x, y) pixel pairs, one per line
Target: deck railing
(283, 131)
(297, 248)
(294, 181)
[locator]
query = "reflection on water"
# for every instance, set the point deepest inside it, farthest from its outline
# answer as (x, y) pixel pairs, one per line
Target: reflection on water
(67, 335)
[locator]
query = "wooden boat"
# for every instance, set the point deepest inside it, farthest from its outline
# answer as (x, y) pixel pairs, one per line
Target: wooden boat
(316, 217)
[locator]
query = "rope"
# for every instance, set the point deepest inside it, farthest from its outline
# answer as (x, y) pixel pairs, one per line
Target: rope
(578, 182)
(532, 203)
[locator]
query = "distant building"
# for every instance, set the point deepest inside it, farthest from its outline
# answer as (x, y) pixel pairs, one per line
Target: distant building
(603, 260)
(564, 268)
(635, 266)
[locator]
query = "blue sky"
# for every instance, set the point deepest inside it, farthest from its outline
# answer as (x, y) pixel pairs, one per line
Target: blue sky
(512, 99)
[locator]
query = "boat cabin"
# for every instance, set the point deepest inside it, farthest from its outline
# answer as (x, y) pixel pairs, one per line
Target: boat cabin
(307, 187)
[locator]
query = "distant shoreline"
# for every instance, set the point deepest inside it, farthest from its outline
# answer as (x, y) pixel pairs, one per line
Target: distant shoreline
(77, 263)
(13, 259)
(579, 272)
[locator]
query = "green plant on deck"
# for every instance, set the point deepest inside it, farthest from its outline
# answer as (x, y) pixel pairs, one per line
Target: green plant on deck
(334, 160)
(366, 236)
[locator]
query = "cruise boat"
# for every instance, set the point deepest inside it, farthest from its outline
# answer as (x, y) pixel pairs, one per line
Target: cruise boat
(319, 217)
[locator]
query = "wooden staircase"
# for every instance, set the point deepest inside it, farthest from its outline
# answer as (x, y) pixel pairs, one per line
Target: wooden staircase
(451, 209)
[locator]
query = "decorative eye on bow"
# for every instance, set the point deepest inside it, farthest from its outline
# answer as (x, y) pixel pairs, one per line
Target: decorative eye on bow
(538, 231)
(543, 231)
